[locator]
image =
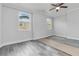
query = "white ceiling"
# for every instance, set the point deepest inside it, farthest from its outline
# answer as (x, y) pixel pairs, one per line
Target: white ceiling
(44, 7)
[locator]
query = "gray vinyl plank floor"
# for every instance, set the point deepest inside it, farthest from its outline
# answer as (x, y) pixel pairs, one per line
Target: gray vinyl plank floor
(71, 42)
(30, 48)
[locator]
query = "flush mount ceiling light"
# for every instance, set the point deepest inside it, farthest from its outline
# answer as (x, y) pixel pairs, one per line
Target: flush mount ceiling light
(57, 6)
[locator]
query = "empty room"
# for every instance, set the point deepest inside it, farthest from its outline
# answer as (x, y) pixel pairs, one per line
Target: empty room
(39, 29)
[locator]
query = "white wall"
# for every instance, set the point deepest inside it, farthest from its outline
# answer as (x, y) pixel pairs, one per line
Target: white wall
(68, 25)
(60, 26)
(73, 24)
(10, 32)
(40, 27)
(0, 23)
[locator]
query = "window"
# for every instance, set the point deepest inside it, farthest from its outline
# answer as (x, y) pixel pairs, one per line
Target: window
(49, 23)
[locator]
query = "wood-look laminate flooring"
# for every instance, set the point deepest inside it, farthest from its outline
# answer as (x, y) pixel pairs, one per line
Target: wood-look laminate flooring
(68, 46)
(30, 48)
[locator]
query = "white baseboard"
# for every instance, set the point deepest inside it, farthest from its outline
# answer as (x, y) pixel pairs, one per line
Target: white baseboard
(14, 42)
(39, 38)
(68, 37)
(60, 36)
(36, 38)
(74, 38)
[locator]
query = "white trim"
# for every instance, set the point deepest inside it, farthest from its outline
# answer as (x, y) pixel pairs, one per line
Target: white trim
(68, 37)
(61, 36)
(74, 38)
(36, 38)
(15, 42)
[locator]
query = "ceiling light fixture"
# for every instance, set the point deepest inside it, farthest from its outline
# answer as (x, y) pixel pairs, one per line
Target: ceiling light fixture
(57, 8)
